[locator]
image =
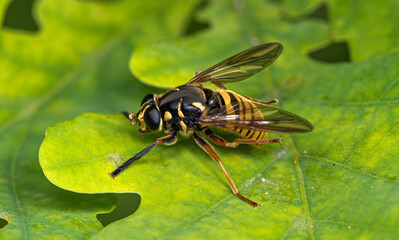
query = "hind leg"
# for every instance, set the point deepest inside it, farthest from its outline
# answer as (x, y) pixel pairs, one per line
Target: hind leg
(221, 142)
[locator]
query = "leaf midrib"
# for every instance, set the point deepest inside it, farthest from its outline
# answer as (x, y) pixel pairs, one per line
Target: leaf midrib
(294, 152)
(298, 169)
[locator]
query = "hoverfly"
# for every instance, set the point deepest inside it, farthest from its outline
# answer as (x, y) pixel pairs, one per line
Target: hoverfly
(191, 109)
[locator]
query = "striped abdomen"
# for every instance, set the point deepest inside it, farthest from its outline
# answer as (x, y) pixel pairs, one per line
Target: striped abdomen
(238, 108)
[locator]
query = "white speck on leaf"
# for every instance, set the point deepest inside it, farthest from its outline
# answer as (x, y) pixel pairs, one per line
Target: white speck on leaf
(280, 153)
(263, 180)
(115, 157)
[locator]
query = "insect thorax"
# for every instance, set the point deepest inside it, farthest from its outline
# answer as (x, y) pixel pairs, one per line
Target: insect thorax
(182, 107)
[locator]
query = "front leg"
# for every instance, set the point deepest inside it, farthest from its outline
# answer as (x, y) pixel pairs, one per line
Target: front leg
(167, 140)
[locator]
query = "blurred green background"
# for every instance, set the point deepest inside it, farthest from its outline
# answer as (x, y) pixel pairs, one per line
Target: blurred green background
(19, 15)
(60, 59)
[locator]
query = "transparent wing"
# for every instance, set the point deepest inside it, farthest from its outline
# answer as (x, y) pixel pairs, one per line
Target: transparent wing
(240, 66)
(263, 118)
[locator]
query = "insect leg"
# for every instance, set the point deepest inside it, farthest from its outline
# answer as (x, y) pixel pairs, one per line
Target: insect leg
(167, 140)
(221, 142)
(254, 141)
(208, 148)
(275, 101)
(218, 140)
(219, 85)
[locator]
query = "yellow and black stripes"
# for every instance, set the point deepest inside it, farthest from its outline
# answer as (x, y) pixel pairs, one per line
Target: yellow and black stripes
(240, 109)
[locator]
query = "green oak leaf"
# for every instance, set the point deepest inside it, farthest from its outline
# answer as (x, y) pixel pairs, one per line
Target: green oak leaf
(340, 181)
(78, 62)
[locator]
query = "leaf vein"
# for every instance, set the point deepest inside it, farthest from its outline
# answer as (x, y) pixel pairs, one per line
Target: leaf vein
(359, 171)
(14, 161)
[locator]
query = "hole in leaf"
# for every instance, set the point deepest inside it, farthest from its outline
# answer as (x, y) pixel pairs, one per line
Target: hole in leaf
(126, 205)
(194, 25)
(19, 15)
(3, 223)
(321, 13)
(332, 53)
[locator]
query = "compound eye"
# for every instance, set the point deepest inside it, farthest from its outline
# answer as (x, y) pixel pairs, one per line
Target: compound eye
(152, 118)
(147, 98)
